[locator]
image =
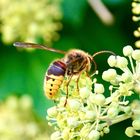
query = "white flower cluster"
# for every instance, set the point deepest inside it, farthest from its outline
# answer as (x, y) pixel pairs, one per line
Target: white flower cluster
(135, 128)
(18, 121)
(128, 81)
(30, 20)
(136, 18)
(88, 113)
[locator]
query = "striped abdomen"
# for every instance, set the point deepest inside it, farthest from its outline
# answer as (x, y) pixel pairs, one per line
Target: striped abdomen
(54, 78)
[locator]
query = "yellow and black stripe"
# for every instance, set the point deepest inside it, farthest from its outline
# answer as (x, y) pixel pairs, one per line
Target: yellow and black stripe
(54, 78)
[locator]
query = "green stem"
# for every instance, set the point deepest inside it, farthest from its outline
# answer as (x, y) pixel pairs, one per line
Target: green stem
(132, 65)
(121, 118)
(137, 134)
(118, 119)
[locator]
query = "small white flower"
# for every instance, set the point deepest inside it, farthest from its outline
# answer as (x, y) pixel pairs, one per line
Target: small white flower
(99, 99)
(90, 115)
(62, 101)
(109, 75)
(94, 135)
(136, 8)
(56, 135)
(130, 132)
(126, 77)
(136, 55)
(127, 50)
(74, 104)
(85, 130)
(136, 33)
(106, 130)
(125, 88)
(112, 61)
(127, 109)
(52, 112)
(137, 88)
(84, 92)
(98, 88)
(137, 43)
(72, 122)
(121, 62)
(136, 124)
(81, 115)
(65, 134)
(112, 112)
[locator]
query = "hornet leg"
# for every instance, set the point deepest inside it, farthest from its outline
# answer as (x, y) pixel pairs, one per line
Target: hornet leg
(67, 92)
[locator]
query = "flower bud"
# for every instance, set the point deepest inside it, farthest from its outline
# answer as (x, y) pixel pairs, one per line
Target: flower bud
(84, 92)
(106, 130)
(136, 124)
(56, 135)
(127, 109)
(121, 62)
(81, 115)
(62, 101)
(112, 112)
(90, 115)
(52, 112)
(61, 123)
(136, 33)
(126, 77)
(98, 88)
(109, 75)
(127, 50)
(136, 9)
(137, 88)
(85, 131)
(136, 55)
(94, 135)
(112, 61)
(130, 132)
(65, 134)
(99, 99)
(137, 44)
(72, 122)
(135, 18)
(74, 104)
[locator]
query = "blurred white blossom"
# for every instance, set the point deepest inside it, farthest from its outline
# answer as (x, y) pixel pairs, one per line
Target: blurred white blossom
(30, 20)
(136, 18)
(18, 121)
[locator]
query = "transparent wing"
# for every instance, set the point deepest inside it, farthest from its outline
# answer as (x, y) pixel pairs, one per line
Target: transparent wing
(37, 46)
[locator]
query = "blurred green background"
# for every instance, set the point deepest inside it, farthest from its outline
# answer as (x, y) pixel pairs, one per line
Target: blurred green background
(22, 72)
